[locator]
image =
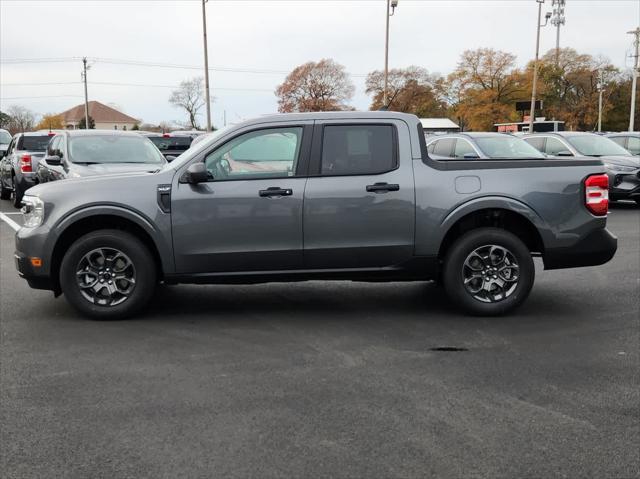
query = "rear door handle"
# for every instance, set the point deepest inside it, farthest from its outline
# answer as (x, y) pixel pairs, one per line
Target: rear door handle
(383, 187)
(275, 191)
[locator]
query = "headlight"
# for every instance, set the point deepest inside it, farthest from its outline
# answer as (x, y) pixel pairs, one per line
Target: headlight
(612, 166)
(32, 211)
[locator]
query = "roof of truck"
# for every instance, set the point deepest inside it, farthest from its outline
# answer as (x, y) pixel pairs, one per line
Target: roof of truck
(337, 115)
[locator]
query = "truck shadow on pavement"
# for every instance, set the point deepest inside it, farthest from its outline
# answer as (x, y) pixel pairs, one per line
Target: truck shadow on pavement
(315, 300)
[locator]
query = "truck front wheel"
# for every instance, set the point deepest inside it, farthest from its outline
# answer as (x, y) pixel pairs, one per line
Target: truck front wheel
(488, 272)
(108, 274)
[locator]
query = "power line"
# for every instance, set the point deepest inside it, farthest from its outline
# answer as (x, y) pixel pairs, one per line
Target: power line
(34, 97)
(120, 61)
(126, 84)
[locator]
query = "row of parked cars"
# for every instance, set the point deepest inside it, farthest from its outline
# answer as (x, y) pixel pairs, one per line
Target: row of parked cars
(31, 158)
(620, 152)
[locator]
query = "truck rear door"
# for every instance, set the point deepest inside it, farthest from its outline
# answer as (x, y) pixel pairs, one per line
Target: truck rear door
(359, 198)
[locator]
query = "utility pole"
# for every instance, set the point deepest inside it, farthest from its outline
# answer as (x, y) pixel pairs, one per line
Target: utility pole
(206, 65)
(558, 20)
(391, 8)
(600, 91)
(86, 95)
(635, 73)
(532, 110)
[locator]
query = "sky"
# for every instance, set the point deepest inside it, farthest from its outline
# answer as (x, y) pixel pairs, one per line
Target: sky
(254, 44)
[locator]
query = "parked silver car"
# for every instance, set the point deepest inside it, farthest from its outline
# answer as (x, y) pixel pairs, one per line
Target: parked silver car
(622, 167)
(629, 140)
(473, 146)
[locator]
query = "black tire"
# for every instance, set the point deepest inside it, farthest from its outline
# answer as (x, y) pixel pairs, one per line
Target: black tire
(468, 243)
(124, 242)
(16, 193)
(5, 193)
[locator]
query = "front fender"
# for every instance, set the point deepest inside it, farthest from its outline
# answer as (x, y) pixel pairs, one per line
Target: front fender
(158, 229)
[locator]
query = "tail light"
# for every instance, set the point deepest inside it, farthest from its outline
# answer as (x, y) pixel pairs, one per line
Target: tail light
(166, 135)
(25, 164)
(596, 194)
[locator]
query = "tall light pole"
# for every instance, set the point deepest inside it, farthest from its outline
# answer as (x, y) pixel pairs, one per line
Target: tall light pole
(206, 65)
(532, 110)
(391, 8)
(634, 81)
(558, 20)
(600, 91)
(86, 96)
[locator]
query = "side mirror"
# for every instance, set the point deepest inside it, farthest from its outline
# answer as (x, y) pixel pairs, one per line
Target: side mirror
(564, 153)
(53, 160)
(170, 157)
(196, 173)
(471, 156)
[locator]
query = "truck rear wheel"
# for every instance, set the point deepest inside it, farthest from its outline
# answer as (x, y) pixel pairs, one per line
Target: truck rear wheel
(488, 272)
(108, 274)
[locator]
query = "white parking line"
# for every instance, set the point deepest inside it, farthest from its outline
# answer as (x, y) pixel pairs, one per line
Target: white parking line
(9, 221)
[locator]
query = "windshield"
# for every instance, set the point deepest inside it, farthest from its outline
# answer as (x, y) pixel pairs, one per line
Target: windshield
(113, 149)
(595, 145)
(173, 143)
(5, 137)
(507, 147)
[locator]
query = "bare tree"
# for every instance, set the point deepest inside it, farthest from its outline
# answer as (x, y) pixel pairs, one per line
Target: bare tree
(315, 86)
(22, 119)
(190, 97)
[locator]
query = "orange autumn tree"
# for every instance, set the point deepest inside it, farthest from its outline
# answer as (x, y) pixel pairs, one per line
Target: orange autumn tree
(315, 86)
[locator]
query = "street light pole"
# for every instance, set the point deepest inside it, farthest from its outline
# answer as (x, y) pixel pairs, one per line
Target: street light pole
(86, 95)
(634, 81)
(600, 90)
(206, 65)
(391, 7)
(532, 110)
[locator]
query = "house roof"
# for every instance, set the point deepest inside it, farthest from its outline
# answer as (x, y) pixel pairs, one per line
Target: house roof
(438, 123)
(100, 113)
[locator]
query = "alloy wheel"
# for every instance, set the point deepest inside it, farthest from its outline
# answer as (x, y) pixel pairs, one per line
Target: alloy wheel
(106, 276)
(490, 273)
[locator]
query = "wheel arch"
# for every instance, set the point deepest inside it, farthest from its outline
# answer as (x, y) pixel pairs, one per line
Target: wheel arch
(85, 221)
(505, 213)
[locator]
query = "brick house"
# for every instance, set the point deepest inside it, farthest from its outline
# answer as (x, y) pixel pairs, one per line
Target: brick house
(105, 117)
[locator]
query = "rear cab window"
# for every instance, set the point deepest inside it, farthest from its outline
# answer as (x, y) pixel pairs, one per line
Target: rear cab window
(444, 147)
(358, 149)
(33, 143)
(173, 143)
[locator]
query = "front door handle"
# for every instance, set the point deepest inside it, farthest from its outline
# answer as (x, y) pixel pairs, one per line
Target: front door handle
(382, 187)
(275, 191)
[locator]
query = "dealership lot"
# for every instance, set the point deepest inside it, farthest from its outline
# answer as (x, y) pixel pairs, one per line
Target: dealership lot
(334, 379)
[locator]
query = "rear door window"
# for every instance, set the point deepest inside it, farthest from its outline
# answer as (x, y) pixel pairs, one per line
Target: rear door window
(358, 149)
(554, 146)
(34, 143)
(536, 142)
(463, 149)
(444, 147)
(634, 145)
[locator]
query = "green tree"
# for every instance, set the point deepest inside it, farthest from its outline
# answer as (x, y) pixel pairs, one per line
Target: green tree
(5, 120)
(82, 124)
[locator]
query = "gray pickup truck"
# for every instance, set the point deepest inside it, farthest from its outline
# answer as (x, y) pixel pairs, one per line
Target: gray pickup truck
(338, 196)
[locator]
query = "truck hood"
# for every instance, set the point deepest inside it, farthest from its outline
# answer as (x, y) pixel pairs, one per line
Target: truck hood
(80, 171)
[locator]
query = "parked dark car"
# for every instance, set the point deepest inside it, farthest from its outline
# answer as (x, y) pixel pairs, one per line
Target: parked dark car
(341, 195)
(622, 167)
(18, 166)
(474, 146)
(170, 145)
(629, 140)
(79, 153)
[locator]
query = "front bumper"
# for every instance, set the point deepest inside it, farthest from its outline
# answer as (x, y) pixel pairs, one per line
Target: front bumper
(596, 248)
(32, 243)
(26, 271)
(624, 186)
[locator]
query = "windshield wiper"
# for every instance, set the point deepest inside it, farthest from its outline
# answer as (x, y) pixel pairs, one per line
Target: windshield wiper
(87, 162)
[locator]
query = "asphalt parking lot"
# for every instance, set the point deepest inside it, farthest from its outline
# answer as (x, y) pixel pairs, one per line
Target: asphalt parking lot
(327, 379)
